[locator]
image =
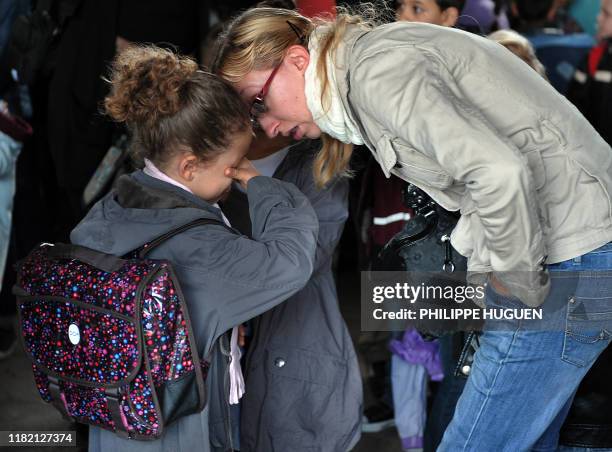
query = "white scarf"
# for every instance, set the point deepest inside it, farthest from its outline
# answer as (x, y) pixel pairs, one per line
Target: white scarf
(334, 121)
(235, 371)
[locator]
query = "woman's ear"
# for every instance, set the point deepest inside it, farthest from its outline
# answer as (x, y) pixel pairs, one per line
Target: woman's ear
(297, 57)
(187, 166)
(450, 16)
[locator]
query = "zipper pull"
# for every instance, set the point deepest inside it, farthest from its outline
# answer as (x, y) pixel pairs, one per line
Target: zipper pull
(449, 265)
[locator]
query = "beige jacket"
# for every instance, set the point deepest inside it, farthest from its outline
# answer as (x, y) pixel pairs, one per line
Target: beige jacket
(480, 131)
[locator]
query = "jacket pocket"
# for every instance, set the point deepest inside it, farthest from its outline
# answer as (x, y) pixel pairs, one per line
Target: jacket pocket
(309, 402)
(536, 165)
(413, 166)
(303, 365)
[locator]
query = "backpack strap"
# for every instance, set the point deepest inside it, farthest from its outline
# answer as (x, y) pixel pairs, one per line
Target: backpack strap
(57, 398)
(148, 247)
(105, 262)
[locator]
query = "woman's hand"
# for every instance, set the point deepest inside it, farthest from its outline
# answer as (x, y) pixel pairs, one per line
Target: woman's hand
(498, 286)
(243, 172)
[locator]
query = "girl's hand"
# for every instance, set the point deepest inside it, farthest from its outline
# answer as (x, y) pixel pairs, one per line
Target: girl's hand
(242, 335)
(243, 172)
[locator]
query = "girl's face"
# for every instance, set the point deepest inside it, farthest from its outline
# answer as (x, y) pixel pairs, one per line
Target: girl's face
(287, 113)
(207, 180)
(426, 11)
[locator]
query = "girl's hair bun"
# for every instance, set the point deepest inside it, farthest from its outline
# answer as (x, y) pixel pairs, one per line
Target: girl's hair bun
(147, 84)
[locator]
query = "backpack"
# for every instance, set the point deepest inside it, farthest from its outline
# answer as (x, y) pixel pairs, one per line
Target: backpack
(109, 338)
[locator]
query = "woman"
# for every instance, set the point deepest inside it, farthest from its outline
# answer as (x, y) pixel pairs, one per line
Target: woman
(480, 132)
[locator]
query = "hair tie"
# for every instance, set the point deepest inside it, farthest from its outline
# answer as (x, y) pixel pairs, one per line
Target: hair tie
(297, 32)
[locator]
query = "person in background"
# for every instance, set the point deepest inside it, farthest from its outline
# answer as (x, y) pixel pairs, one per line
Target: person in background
(78, 134)
(521, 47)
(280, 412)
(13, 132)
(559, 50)
(286, 406)
(483, 16)
(591, 87)
(585, 12)
(438, 12)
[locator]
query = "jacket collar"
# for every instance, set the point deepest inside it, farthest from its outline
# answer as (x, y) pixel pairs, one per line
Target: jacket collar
(384, 156)
(342, 58)
(141, 191)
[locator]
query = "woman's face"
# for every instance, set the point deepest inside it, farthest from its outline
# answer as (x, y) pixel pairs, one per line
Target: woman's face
(287, 113)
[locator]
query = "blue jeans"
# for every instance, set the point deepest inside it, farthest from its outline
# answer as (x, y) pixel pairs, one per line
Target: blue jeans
(523, 380)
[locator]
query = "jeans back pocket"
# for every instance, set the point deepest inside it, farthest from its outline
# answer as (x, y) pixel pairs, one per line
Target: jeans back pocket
(588, 326)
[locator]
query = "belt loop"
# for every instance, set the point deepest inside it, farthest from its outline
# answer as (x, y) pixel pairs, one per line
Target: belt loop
(577, 260)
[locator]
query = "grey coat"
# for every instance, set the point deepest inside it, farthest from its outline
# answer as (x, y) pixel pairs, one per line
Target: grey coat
(303, 385)
(226, 278)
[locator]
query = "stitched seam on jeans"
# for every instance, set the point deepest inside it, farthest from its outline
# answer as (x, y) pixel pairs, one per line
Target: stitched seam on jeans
(490, 389)
(566, 338)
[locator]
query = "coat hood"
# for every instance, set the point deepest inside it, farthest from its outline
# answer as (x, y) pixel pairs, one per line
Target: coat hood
(139, 209)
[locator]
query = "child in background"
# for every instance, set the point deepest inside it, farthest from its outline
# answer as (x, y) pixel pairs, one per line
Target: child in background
(193, 132)
(521, 47)
(591, 87)
(438, 12)
(303, 386)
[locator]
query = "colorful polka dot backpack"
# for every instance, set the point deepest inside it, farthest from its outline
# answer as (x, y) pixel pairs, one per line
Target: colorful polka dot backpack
(109, 338)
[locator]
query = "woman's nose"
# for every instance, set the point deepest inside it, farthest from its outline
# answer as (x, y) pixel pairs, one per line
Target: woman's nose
(268, 125)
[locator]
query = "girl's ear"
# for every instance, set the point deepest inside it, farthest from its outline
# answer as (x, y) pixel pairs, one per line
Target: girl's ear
(297, 57)
(450, 16)
(187, 166)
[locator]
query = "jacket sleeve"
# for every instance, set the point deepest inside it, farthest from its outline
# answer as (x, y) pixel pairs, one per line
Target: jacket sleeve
(426, 107)
(245, 277)
(331, 206)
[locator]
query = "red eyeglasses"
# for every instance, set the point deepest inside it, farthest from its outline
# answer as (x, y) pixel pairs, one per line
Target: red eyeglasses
(258, 107)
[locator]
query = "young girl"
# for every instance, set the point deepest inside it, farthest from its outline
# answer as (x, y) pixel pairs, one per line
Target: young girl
(479, 131)
(304, 389)
(193, 133)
